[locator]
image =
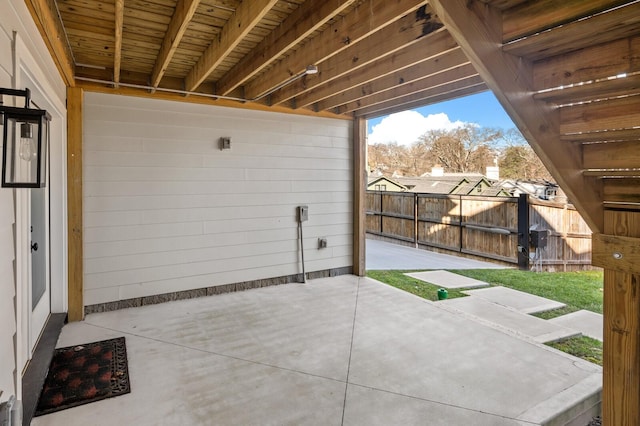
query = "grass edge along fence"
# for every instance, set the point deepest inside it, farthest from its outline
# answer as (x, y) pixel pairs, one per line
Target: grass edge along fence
(522, 231)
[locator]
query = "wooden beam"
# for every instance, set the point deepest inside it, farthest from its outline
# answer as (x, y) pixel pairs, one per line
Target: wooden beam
(621, 361)
(430, 73)
(417, 100)
(367, 18)
(117, 54)
(615, 253)
(208, 100)
(421, 89)
(622, 190)
(45, 15)
(602, 89)
(588, 64)
(242, 21)
(605, 136)
(306, 19)
(532, 17)
(605, 27)
(610, 114)
(395, 37)
(476, 28)
(614, 155)
(185, 9)
(74, 203)
(359, 190)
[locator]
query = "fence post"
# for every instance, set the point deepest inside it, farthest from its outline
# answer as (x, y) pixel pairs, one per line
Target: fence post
(415, 219)
(461, 227)
(381, 214)
(523, 232)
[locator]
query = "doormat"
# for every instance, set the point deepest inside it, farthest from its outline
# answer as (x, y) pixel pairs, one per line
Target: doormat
(85, 373)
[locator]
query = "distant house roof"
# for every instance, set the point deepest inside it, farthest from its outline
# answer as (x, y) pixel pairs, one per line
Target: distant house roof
(383, 180)
(433, 185)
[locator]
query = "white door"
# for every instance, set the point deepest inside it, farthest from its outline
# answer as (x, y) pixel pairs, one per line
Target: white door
(40, 294)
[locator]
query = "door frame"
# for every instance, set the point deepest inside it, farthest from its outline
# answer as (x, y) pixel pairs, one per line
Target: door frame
(28, 71)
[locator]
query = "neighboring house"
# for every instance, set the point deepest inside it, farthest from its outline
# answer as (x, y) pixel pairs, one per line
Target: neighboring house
(453, 184)
(542, 190)
(383, 183)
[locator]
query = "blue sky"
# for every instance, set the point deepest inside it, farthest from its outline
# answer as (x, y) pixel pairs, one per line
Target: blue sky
(482, 109)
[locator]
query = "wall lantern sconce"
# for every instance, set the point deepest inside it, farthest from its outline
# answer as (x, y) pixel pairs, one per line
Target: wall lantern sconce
(25, 139)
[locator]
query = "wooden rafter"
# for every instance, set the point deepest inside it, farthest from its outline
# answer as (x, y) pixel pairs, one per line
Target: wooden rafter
(349, 30)
(365, 83)
(242, 21)
(299, 25)
(47, 19)
(477, 31)
(429, 96)
(185, 9)
(117, 54)
(597, 29)
(396, 38)
(533, 17)
(431, 82)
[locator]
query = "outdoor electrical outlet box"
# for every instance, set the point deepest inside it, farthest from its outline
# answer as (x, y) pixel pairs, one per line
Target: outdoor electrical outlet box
(539, 238)
(303, 213)
(225, 143)
(322, 243)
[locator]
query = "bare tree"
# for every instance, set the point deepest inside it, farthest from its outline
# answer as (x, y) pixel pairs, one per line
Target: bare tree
(465, 149)
(519, 161)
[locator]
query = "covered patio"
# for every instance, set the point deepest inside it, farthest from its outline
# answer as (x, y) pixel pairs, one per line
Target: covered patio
(186, 139)
(335, 351)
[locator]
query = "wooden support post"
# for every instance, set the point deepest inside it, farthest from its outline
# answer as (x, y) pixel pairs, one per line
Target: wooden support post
(74, 202)
(415, 220)
(617, 252)
(523, 232)
(359, 188)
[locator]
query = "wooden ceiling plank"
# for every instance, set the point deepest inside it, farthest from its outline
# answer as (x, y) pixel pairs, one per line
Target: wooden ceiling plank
(117, 54)
(242, 21)
(605, 27)
(464, 75)
(593, 63)
(605, 174)
(398, 39)
(45, 15)
(592, 91)
(309, 17)
(432, 66)
(614, 155)
(369, 17)
(606, 136)
(611, 114)
(532, 17)
(511, 80)
(622, 190)
(416, 101)
(185, 9)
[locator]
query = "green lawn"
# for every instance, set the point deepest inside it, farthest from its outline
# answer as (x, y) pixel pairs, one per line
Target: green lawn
(578, 290)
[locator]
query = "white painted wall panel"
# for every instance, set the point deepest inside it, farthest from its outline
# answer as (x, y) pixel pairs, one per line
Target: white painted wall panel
(166, 210)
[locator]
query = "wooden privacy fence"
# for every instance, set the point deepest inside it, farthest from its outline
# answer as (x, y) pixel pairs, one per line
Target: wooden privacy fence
(496, 228)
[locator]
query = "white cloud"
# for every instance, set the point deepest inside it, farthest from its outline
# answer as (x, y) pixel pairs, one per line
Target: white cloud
(406, 127)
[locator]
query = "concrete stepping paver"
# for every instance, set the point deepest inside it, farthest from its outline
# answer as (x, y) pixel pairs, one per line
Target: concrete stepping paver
(447, 279)
(587, 322)
(518, 300)
(540, 330)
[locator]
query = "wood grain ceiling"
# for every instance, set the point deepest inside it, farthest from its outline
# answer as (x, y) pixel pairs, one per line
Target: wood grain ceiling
(368, 52)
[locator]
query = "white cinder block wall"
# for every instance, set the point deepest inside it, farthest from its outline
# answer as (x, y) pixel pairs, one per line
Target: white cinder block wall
(166, 210)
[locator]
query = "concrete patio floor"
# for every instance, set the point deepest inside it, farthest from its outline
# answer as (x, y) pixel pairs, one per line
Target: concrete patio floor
(334, 351)
(382, 255)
